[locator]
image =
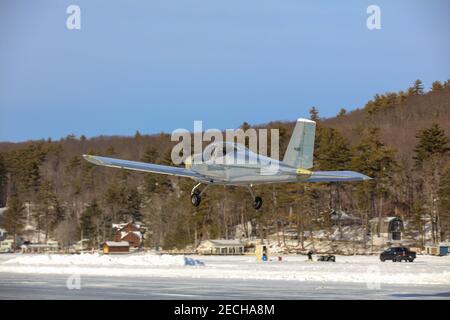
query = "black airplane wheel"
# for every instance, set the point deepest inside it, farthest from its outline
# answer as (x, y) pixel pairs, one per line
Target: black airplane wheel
(257, 203)
(196, 199)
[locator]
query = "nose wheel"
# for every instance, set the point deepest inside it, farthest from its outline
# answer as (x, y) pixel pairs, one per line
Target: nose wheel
(196, 199)
(257, 203)
(257, 200)
(196, 194)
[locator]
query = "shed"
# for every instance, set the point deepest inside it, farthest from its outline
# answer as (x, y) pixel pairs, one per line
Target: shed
(444, 249)
(116, 247)
(221, 247)
(391, 228)
(441, 249)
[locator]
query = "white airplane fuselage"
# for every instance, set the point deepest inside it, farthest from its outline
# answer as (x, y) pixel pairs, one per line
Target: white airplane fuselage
(241, 166)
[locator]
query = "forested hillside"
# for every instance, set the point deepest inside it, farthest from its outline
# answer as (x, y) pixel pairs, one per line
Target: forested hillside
(400, 139)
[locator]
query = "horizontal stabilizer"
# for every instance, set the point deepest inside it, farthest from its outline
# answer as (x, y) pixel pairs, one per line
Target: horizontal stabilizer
(336, 176)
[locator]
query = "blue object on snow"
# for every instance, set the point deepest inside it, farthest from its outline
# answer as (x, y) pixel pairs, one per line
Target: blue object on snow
(192, 262)
(199, 263)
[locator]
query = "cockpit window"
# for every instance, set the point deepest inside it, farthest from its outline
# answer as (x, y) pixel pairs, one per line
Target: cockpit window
(222, 150)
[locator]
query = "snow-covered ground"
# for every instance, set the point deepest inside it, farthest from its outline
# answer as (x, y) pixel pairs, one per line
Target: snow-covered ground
(349, 269)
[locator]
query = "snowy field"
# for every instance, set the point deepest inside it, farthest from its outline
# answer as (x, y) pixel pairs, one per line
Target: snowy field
(365, 276)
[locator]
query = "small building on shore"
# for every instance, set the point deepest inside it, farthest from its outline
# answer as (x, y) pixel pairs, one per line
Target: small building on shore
(441, 249)
(132, 232)
(386, 230)
(49, 247)
(221, 247)
(116, 247)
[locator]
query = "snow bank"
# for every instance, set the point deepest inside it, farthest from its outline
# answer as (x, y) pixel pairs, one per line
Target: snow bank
(102, 260)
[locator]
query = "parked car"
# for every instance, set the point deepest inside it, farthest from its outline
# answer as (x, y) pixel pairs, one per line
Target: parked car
(398, 254)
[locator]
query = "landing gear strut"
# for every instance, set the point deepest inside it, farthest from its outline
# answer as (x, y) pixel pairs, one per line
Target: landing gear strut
(196, 194)
(257, 200)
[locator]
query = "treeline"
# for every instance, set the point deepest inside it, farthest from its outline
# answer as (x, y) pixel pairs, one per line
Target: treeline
(49, 185)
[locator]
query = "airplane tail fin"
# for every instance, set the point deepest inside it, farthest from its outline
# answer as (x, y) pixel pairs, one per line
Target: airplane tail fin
(300, 150)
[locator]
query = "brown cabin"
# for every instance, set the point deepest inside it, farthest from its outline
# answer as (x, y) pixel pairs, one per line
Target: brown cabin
(116, 247)
(133, 238)
(129, 232)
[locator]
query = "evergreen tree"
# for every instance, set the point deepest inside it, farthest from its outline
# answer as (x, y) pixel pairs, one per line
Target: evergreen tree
(419, 215)
(48, 212)
(115, 200)
(14, 218)
(373, 158)
(430, 154)
(432, 142)
(416, 89)
(332, 150)
(93, 223)
(444, 202)
(436, 86)
(24, 167)
(342, 112)
(134, 204)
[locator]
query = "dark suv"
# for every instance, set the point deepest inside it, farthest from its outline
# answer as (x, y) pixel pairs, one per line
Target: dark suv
(398, 254)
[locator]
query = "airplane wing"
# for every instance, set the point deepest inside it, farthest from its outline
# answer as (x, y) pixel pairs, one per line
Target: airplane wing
(143, 166)
(336, 176)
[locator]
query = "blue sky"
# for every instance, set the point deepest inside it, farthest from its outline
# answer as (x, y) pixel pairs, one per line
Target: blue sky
(158, 65)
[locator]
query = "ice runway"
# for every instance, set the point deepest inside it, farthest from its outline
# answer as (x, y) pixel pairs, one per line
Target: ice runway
(31, 286)
(221, 277)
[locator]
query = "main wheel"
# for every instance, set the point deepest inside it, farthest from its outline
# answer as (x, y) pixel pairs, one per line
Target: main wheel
(195, 199)
(257, 203)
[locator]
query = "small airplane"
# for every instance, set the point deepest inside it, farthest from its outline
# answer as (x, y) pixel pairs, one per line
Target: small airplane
(219, 165)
